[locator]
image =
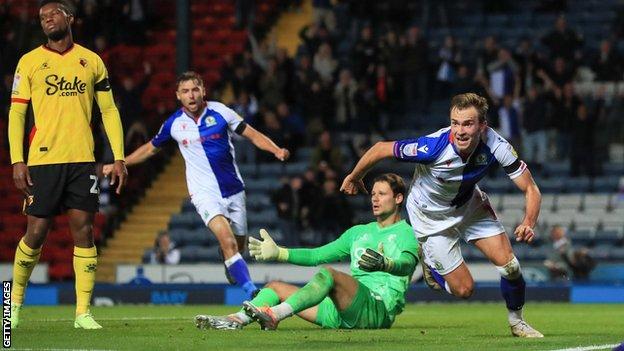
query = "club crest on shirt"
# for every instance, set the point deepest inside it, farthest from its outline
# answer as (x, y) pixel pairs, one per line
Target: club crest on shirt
(83, 62)
(481, 160)
(423, 149)
(210, 121)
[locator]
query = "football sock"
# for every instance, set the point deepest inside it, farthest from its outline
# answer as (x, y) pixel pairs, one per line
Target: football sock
(266, 297)
(25, 261)
(310, 294)
(238, 269)
(513, 293)
(243, 317)
(85, 265)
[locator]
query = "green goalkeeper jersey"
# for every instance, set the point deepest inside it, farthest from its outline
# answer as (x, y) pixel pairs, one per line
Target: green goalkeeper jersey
(396, 239)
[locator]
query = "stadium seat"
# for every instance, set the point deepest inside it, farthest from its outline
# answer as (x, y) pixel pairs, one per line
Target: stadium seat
(569, 202)
(258, 202)
(581, 237)
(577, 185)
(596, 201)
(609, 237)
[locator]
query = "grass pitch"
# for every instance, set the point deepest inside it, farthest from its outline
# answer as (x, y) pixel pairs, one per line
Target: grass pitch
(457, 326)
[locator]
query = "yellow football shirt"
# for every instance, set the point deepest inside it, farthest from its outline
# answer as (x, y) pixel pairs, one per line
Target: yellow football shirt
(61, 87)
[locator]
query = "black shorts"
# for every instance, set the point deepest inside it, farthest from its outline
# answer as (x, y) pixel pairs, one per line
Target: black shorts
(59, 187)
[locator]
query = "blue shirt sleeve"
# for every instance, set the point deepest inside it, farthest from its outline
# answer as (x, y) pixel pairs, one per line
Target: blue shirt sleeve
(164, 133)
(421, 150)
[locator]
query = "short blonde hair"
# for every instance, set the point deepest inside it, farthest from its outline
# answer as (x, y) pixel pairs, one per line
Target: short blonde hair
(464, 101)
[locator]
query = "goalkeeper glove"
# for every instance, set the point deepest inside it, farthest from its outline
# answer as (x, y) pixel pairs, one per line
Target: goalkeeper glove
(373, 261)
(267, 249)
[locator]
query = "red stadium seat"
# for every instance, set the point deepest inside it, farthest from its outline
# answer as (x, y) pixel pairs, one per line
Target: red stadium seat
(61, 271)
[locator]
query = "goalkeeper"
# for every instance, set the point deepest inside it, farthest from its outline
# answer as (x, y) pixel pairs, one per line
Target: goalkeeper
(383, 257)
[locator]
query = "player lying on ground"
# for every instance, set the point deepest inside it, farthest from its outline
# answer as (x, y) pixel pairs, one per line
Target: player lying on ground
(203, 131)
(383, 257)
(445, 203)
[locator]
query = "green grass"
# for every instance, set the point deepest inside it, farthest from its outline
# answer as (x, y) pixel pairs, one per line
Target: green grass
(465, 326)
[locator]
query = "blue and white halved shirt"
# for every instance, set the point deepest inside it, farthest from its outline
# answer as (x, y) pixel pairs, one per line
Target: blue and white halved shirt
(206, 146)
(443, 181)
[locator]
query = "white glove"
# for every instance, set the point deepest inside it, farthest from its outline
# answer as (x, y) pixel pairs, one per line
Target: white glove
(267, 249)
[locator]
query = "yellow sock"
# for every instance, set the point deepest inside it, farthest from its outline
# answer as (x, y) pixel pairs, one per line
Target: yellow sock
(85, 265)
(25, 261)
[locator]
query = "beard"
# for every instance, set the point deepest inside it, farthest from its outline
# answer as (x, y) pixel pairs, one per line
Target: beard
(58, 34)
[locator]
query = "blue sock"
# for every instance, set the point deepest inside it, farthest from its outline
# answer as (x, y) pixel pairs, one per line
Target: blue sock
(619, 348)
(238, 269)
(513, 292)
(438, 277)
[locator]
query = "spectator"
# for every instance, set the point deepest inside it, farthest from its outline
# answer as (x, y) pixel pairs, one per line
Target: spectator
(324, 63)
(288, 202)
(565, 108)
(364, 52)
(503, 76)
(294, 126)
(566, 262)
(335, 214)
(416, 69)
(449, 57)
(344, 97)
(318, 110)
(582, 153)
(607, 64)
(131, 109)
(272, 84)
(487, 54)
(274, 130)
(327, 152)
(322, 14)
(164, 250)
(509, 119)
(563, 41)
(534, 124)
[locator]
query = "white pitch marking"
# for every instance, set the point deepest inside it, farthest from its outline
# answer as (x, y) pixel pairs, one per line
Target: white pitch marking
(117, 319)
(589, 348)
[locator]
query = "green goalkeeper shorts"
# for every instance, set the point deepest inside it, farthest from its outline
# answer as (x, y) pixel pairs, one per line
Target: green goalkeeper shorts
(367, 311)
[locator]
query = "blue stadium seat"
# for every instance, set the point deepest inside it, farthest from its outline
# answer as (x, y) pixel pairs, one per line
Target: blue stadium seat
(556, 169)
(581, 237)
(263, 219)
(207, 254)
(551, 185)
(609, 237)
(262, 184)
(605, 184)
(600, 253)
(258, 202)
(577, 185)
(248, 170)
(271, 170)
(616, 254)
(297, 168)
(190, 220)
(537, 253)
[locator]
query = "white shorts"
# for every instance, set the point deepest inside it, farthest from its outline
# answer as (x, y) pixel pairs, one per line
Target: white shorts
(233, 208)
(440, 246)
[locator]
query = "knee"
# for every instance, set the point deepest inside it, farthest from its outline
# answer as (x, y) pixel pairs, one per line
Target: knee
(274, 285)
(464, 291)
(327, 273)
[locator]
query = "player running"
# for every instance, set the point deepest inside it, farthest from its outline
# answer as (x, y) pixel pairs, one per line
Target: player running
(60, 80)
(203, 133)
(445, 203)
(383, 257)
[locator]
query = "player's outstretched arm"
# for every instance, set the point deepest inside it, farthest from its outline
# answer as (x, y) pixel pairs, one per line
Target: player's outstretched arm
(264, 143)
(267, 250)
(139, 155)
(533, 198)
(352, 183)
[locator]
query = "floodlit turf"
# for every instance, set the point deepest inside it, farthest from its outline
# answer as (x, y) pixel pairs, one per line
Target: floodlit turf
(471, 326)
